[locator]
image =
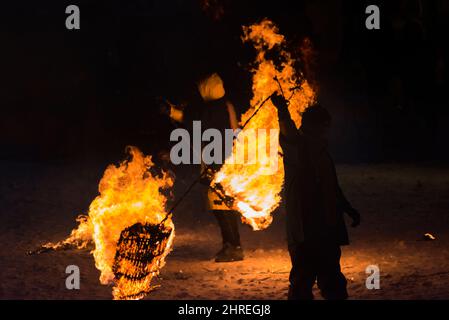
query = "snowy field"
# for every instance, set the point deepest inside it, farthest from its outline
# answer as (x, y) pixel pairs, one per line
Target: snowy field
(398, 203)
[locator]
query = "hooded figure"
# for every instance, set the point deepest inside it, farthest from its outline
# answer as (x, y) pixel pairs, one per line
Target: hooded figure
(216, 112)
(315, 205)
(219, 113)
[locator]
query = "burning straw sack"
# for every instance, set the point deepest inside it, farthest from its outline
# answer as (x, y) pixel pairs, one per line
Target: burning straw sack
(140, 254)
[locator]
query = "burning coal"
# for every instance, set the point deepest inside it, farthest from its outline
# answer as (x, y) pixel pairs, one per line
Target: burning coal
(256, 195)
(128, 226)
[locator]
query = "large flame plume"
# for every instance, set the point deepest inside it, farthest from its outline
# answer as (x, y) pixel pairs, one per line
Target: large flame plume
(130, 196)
(256, 194)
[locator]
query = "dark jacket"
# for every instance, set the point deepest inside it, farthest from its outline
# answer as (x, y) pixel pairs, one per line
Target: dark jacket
(213, 115)
(311, 189)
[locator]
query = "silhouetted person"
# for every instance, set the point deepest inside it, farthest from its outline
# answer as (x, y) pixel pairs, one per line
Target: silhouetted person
(315, 205)
(216, 112)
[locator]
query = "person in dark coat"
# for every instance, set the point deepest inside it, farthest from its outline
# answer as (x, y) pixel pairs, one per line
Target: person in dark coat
(315, 205)
(219, 113)
(215, 111)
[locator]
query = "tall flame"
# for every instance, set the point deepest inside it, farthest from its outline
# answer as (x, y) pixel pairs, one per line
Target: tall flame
(129, 195)
(257, 195)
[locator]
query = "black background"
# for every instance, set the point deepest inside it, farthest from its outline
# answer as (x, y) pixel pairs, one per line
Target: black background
(71, 94)
(279, 309)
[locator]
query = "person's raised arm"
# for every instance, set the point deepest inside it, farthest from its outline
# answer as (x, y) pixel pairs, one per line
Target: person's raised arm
(232, 116)
(286, 125)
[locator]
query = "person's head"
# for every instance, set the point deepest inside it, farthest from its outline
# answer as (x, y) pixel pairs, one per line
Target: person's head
(211, 87)
(316, 121)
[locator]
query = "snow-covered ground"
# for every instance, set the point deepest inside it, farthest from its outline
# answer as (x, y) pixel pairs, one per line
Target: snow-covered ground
(398, 203)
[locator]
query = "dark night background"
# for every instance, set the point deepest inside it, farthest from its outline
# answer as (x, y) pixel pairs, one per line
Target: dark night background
(71, 95)
(71, 100)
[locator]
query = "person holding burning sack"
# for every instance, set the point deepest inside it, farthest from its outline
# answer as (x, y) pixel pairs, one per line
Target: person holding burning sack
(215, 112)
(315, 205)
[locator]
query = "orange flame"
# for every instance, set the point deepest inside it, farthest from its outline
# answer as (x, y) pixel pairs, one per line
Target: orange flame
(129, 195)
(257, 195)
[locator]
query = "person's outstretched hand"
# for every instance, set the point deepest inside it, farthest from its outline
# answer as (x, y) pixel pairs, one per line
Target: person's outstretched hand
(355, 216)
(164, 107)
(279, 102)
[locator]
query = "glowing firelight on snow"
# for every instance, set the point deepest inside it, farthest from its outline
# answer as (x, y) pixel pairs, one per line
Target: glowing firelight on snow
(257, 195)
(131, 202)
